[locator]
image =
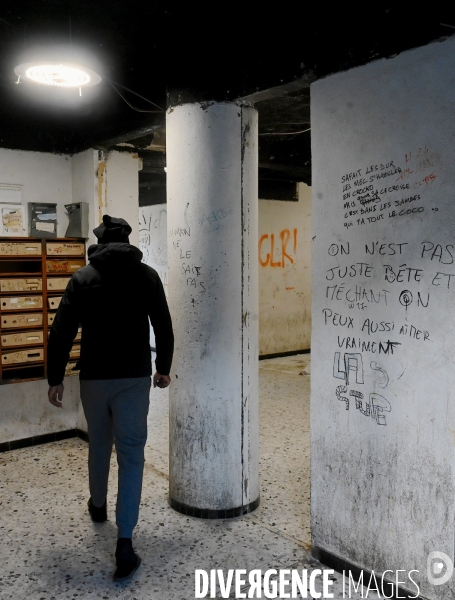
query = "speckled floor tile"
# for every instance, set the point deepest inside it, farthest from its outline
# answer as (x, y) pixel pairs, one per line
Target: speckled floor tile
(157, 460)
(285, 447)
(52, 551)
(158, 421)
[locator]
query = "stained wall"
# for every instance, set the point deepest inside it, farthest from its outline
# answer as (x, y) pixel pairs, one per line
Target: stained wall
(284, 262)
(284, 255)
(383, 377)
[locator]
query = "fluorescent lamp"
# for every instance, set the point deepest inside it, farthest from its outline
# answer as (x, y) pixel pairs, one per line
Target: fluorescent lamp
(67, 75)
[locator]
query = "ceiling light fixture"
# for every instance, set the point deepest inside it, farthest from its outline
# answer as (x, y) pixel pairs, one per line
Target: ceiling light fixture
(66, 75)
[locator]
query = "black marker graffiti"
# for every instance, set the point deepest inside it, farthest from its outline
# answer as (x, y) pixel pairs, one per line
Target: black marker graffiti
(352, 362)
(335, 249)
(443, 253)
(356, 343)
(403, 274)
(405, 298)
(336, 319)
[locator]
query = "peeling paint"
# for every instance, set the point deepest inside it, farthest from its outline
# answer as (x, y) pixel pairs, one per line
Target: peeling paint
(101, 189)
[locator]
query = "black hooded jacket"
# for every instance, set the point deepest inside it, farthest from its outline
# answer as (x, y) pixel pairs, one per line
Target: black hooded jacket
(113, 299)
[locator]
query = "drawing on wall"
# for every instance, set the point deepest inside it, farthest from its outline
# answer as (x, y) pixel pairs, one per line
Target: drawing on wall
(153, 243)
(375, 408)
(385, 381)
(345, 368)
(359, 402)
(12, 220)
(405, 298)
(379, 404)
(342, 389)
(158, 253)
(153, 236)
(352, 362)
(144, 244)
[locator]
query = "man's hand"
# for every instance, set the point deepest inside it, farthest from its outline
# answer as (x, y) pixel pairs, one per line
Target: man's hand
(55, 395)
(161, 381)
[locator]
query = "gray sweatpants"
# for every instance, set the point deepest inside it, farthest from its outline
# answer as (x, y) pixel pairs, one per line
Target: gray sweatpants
(116, 411)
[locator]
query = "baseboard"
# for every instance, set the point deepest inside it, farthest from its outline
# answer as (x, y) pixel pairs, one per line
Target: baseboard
(207, 513)
(36, 440)
(280, 354)
(83, 435)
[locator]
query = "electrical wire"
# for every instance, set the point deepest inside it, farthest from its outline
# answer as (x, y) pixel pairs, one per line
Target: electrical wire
(138, 95)
(287, 133)
(113, 84)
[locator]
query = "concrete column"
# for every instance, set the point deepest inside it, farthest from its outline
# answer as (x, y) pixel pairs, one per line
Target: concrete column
(213, 282)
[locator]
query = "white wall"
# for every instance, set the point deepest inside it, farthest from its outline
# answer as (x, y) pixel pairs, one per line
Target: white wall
(44, 177)
(25, 410)
(109, 185)
(121, 198)
(109, 182)
(285, 274)
(84, 180)
(383, 467)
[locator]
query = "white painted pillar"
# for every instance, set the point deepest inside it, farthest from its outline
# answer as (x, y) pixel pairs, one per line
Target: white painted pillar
(213, 282)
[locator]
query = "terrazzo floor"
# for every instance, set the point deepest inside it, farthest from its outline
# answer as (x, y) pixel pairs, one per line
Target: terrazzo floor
(51, 550)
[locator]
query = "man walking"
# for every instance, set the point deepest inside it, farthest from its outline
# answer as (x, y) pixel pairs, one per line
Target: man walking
(113, 299)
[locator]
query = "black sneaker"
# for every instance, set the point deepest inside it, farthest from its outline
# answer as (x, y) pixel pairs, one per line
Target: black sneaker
(127, 560)
(98, 513)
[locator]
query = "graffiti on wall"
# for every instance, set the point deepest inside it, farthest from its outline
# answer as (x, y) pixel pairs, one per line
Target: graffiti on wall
(278, 251)
(381, 292)
(153, 243)
(152, 236)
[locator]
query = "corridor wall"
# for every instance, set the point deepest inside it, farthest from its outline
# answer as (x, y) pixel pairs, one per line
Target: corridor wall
(284, 254)
(383, 380)
(284, 267)
(109, 183)
(24, 408)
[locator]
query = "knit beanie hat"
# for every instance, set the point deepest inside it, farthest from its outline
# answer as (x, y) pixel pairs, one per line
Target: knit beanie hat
(112, 230)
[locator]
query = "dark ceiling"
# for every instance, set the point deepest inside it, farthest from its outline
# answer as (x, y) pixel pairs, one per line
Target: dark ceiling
(170, 52)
